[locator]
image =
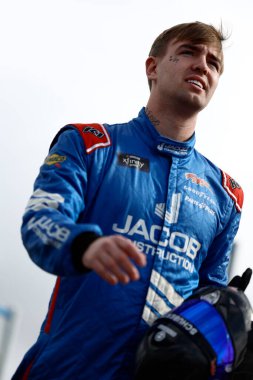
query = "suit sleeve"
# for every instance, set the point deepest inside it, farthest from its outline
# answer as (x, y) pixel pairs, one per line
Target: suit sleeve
(214, 269)
(50, 223)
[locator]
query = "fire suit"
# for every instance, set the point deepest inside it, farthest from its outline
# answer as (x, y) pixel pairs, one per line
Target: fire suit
(177, 207)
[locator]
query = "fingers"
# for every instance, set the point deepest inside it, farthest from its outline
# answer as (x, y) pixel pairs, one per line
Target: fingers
(116, 263)
(114, 258)
(132, 252)
(246, 276)
(105, 274)
(241, 282)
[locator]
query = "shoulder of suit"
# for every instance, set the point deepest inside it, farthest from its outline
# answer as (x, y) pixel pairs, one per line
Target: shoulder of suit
(94, 135)
(233, 189)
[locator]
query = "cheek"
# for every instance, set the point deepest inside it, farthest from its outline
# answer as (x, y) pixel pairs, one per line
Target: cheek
(213, 84)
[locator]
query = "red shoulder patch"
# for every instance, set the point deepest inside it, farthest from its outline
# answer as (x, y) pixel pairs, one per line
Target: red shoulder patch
(233, 189)
(94, 136)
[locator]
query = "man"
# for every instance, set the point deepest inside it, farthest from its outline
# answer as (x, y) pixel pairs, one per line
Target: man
(130, 217)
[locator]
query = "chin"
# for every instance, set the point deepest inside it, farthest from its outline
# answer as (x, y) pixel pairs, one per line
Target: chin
(197, 103)
(193, 104)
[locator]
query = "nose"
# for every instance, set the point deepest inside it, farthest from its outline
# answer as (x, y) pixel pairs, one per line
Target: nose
(200, 65)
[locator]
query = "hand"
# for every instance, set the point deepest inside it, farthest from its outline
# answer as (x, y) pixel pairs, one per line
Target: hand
(245, 369)
(114, 258)
(241, 282)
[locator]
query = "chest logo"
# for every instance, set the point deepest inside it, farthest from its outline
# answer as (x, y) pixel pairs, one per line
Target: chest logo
(199, 181)
(132, 161)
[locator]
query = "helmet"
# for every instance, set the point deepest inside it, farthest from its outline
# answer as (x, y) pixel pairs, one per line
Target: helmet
(204, 338)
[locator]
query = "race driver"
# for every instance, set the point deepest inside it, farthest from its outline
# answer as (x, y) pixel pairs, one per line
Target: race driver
(130, 217)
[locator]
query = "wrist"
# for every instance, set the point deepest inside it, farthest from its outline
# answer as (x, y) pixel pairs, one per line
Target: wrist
(78, 248)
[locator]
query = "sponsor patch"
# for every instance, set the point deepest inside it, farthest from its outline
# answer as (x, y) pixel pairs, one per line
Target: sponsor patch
(199, 181)
(48, 231)
(200, 205)
(131, 161)
(200, 194)
(94, 136)
(172, 149)
(171, 216)
(41, 199)
(54, 159)
(233, 189)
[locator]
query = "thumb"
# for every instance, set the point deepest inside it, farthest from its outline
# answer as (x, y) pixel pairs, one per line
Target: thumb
(241, 282)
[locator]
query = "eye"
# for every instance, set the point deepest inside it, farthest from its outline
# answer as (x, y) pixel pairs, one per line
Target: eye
(214, 65)
(187, 52)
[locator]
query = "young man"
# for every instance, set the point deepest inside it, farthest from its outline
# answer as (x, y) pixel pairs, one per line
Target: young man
(130, 217)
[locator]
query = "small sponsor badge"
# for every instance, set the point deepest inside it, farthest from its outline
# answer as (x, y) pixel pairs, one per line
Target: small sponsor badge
(234, 190)
(176, 150)
(132, 161)
(54, 159)
(199, 181)
(94, 135)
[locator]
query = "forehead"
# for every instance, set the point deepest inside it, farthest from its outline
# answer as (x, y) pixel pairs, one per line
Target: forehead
(211, 48)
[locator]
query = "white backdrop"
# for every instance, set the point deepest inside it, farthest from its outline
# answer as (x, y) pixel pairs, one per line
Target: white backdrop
(68, 61)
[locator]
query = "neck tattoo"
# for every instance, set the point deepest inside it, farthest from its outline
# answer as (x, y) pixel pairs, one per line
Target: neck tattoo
(152, 118)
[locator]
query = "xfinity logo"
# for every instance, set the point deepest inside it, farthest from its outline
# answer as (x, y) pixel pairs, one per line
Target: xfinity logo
(132, 161)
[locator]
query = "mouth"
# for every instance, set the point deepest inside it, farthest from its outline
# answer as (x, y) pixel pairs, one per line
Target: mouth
(196, 83)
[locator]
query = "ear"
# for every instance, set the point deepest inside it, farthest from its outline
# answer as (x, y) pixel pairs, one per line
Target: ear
(151, 66)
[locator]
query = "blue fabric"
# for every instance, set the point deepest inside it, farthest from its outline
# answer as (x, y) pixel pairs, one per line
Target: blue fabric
(163, 195)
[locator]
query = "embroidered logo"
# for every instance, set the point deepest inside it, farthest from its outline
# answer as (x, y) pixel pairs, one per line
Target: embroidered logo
(199, 181)
(94, 131)
(54, 159)
(234, 184)
(94, 136)
(234, 190)
(172, 149)
(132, 161)
(171, 216)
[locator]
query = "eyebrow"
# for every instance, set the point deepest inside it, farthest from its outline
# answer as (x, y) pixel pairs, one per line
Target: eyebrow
(197, 48)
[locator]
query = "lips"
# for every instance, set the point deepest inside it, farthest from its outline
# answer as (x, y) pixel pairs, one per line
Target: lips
(197, 81)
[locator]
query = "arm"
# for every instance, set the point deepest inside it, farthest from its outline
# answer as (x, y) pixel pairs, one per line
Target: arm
(214, 269)
(49, 223)
(51, 233)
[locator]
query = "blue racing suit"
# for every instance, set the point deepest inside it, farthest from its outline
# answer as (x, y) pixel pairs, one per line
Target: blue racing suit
(176, 206)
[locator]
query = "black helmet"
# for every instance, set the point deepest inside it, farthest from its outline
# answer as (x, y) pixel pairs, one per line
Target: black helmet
(204, 338)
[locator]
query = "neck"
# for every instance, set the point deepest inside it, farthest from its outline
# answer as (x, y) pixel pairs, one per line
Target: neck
(177, 126)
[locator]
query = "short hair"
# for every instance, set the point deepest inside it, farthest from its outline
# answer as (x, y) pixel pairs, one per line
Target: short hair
(196, 32)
